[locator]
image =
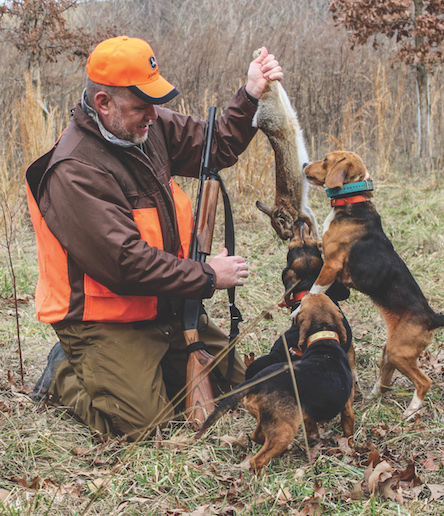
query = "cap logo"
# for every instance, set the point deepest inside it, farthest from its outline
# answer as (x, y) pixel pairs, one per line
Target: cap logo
(153, 63)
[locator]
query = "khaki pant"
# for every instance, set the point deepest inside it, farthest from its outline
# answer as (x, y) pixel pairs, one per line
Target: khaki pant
(119, 378)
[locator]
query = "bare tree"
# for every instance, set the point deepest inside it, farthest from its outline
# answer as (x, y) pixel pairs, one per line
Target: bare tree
(418, 27)
(39, 30)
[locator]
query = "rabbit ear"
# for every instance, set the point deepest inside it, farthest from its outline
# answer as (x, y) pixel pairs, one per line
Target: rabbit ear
(336, 175)
(264, 208)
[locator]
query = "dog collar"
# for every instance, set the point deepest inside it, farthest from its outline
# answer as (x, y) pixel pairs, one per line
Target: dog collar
(361, 186)
(354, 199)
(294, 298)
(320, 335)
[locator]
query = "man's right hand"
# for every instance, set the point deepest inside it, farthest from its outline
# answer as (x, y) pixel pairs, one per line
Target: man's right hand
(231, 271)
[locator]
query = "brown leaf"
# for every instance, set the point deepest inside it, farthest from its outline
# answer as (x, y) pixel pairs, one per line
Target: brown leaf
(81, 451)
(409, 475)
(379, 475)
(344, 446)
(5, 408)
(4, 495)
(178, 441)
(357, 493)
(245, 464)
(284, 495)
(373, 457)
(430, 463)
(437, 491)
(241, 440)
(20, 481)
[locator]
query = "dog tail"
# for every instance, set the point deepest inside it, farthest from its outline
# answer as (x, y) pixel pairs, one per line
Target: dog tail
(437, 321)
(224, 406)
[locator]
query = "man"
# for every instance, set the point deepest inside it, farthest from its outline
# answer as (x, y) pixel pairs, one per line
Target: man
(113, 233)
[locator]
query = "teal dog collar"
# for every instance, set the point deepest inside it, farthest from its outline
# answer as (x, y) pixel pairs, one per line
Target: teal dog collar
(362, 186)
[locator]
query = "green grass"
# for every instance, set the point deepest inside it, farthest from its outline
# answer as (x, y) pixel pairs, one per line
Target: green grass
(172, 474)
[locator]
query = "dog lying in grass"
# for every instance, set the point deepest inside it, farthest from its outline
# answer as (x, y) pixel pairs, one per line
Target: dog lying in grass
(358, 254)
(322, 375)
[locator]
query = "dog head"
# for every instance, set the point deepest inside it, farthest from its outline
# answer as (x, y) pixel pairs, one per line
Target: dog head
(337, 169)
(318, 313)
(304, 263)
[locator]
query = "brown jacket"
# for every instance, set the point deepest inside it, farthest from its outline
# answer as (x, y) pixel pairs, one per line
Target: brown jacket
(110, 236)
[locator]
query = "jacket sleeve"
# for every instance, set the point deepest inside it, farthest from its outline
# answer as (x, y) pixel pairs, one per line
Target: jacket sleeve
(185, 135)
(93, 221)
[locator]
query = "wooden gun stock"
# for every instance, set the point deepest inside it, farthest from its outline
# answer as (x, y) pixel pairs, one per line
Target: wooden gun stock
(199, 396)
(199, 393)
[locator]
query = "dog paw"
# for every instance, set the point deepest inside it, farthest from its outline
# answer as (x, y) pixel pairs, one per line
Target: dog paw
(294, 313)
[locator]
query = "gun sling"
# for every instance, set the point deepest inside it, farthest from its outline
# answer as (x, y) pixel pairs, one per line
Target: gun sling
(235, 314)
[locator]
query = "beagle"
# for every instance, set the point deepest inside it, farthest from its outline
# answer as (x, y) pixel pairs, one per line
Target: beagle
(304, 262)
(358, 254)
(322, 375)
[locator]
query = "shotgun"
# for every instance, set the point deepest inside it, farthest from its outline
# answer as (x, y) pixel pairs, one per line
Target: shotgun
(199, 393)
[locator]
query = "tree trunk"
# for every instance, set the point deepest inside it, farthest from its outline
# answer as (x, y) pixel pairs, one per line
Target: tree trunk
(424, 112)
(424, 108)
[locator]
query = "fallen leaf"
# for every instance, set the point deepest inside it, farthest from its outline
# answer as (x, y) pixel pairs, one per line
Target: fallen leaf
(344, 446)
(430, 464)
(245, 464)
(378, 475)
(409, 475)
(373, 456)
(97, 484)
(284, 495)
(81, 451)
(4, 495)
(357, 493)
(241, 440)
(437, 491)
(178, 441)
(5, 408)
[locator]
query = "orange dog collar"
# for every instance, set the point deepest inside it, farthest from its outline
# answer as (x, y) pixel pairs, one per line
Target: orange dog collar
(348, 200)
(294, 299)
(320, 335)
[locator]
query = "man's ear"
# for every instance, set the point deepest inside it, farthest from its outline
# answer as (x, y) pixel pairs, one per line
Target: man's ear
(102, 102)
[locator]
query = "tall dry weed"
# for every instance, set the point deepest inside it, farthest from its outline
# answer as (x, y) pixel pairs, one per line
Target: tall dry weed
(32, 132)
(388, 113)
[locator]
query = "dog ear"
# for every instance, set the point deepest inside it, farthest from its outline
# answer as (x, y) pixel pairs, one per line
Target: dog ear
(304, 326)
(336, 175)
(339, 323)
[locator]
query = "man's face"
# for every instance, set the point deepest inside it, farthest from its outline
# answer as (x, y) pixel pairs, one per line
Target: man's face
(129, 118)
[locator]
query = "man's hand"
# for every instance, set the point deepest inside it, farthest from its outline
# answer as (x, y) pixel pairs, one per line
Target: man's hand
(265, 67)
(231, 271)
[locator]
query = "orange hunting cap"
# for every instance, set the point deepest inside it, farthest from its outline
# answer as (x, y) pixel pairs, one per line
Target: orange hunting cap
(129, 63)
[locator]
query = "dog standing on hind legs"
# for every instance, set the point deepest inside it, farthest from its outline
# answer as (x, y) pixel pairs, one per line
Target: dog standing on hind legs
(358, 253)
(323, 378)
